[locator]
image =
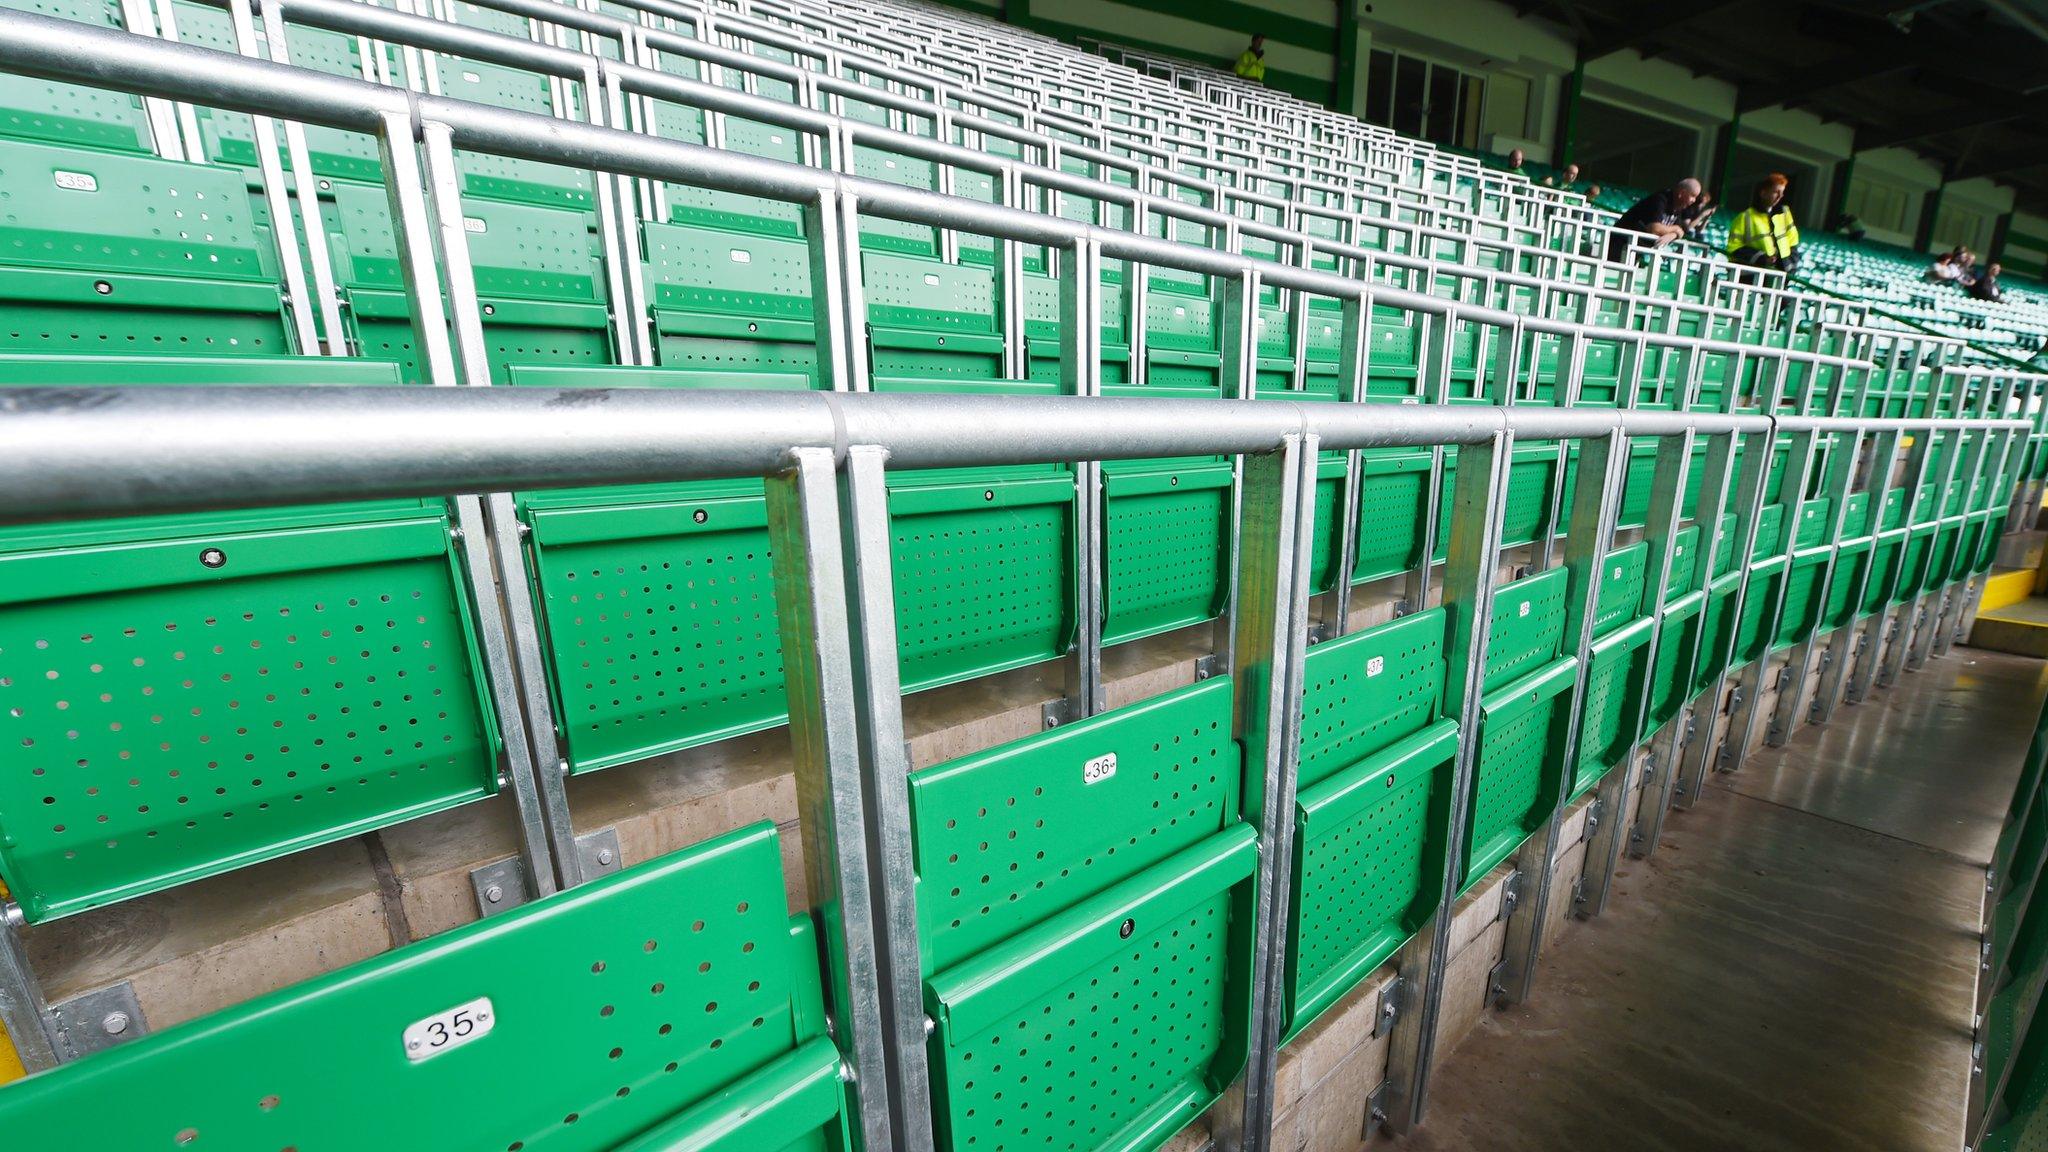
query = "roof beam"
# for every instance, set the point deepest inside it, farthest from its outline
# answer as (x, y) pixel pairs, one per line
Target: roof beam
(1935, 123)
(1824, 78)
(1650, 21)
(1998, 163)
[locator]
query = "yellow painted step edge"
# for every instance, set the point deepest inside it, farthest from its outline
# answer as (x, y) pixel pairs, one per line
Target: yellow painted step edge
(10, 1062)
(2005, 589)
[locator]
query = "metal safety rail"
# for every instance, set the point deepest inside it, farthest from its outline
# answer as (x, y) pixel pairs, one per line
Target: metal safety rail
(1551, 282)
(624, 436)
(71, 453)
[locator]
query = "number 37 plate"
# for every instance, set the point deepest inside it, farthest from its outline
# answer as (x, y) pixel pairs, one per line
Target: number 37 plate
(447, 1031)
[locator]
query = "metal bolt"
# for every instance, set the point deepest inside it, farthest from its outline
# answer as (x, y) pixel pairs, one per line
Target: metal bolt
(115, 1023)
(103, 288)
(212, 557)
(604, 856)
(490, 309)
(988, 494)
(700, 516)
(493, 894)
(1124, 930)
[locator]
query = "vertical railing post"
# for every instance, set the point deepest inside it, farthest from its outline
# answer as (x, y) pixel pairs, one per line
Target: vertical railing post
(1842, 460)
(1596, 504)
(816, 616)
(1752, 468)
(1354, 369)
(1081, 375)
(1660, 531)
(1755, 677)
(434, 256)
(24, 1013)
(1271, 623)
(1470, 569)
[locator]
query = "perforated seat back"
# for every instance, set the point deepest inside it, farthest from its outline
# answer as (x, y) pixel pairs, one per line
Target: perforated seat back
(538, 274)
(643, 994)
(1528, 626)
(192, 693)
(72, 114)
(230, 137)
(103, 252)
(1365, 692)
(657, 601)
(1080, 903)
(1373, 770)
(1621, 587)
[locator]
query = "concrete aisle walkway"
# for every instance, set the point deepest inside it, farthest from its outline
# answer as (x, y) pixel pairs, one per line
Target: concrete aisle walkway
(1793, 969)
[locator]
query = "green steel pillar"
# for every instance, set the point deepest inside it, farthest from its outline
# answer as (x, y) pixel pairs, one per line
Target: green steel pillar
(1995, 251)
(1724, 161)
(1568, 112)
(1838, 191)
(1344, 57)
(1930, 207)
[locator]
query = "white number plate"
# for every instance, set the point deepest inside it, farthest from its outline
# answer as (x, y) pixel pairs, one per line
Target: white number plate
(447, 1031)
(1099, 769)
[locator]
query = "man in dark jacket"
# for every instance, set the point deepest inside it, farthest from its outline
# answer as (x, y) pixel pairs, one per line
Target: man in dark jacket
(1664, 216)
(1985, 286)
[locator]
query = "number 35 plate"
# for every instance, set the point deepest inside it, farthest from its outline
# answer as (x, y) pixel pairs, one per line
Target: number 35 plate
(447, 1031)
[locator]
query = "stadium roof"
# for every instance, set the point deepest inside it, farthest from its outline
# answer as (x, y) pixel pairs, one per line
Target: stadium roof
(1963, 82)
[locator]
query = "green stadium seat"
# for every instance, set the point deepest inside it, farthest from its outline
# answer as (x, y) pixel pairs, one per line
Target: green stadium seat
(674, 1005)
(1616, 672)
(1083, 925)
(72, 115)
(1528, 682)
(1369, 849)
(193, 693)
(109, 252)
(656, 601)
(539, 277)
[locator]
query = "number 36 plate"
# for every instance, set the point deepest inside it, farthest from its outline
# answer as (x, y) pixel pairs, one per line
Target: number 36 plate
(447, 1031)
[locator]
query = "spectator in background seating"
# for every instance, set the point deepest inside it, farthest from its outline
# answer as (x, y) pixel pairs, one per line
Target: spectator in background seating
(1252, 63)
(1566, 180)
(1945, 269)
(1849, 227)
(1764, 234)
(1985, 287)
(1512, 165)
(1664, 216)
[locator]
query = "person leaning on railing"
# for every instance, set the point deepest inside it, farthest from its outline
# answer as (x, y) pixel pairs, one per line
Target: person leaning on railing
(1663, 216)
(1251, 64)
(1764, 235)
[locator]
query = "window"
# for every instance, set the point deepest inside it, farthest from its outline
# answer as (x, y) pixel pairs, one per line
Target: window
(1957, 225)
(1379, 88)
(1418, 97)
(1879, 206)
(1507, 106)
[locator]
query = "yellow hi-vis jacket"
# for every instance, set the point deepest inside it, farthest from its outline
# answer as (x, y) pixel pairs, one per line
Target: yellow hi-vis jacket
(1773, 233)
(1252, 66)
